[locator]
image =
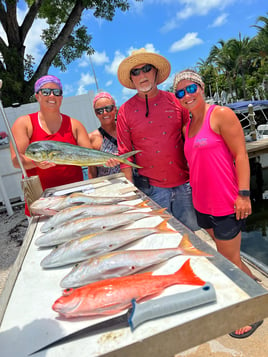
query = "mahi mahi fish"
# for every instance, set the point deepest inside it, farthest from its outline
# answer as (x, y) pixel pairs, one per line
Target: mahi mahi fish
(85, 210)
(80, 227)
(110, 296)
(49, 206)
(77, 250)
(68, 154)
(124, 262)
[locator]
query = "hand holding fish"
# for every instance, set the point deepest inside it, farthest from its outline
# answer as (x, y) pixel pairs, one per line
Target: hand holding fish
(43, 164)
(111, 163)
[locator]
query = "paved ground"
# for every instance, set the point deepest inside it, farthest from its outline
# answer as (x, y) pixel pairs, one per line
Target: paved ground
(12, 231)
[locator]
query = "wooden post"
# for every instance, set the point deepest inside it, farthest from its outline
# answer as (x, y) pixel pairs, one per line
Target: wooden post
(32, 189)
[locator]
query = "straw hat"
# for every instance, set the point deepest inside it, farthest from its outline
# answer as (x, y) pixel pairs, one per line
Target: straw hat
(138, 57)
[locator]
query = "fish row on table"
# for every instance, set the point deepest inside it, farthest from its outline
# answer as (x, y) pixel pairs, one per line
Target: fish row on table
(110, 296)
(49, 206)
(85, 210)
(106, 282)
(80, 227)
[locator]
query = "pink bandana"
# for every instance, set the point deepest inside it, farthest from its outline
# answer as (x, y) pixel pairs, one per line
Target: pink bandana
(102, 95)
(46, 79)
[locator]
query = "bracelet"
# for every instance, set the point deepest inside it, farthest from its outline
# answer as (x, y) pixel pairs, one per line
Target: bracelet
(34, 163)
(244, 193)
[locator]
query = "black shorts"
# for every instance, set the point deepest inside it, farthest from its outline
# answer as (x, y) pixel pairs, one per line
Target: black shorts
(224, 227)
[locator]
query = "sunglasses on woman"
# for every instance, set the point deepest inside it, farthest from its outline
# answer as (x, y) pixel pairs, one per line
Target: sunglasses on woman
(190, 89)
(47, 91)
(108, 109)
(145, 69)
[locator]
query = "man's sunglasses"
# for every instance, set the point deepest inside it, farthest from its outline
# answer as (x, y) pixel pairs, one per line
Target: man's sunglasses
(145, 69)
(47, 91)
(108, 109)
(191, 89)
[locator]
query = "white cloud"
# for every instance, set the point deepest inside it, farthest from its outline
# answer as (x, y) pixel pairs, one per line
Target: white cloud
(108, 83)
(190, 8)
(112, 68)
(220, 20)
(189, 40)
(197, 7)
(98, 59)
(85, 80)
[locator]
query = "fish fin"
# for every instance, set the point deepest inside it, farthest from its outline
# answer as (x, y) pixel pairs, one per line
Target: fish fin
(186, 275)
(188, 249)
(128, 154)
(160, 212)
(123, 158)
(148, 297)
(162, 227)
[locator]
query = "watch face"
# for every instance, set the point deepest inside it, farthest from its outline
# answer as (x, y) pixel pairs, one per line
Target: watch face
(244, 193)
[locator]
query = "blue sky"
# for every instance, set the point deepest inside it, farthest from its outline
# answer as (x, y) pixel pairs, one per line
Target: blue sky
(181, 30)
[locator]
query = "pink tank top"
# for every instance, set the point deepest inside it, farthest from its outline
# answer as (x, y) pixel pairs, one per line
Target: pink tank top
(212, 171)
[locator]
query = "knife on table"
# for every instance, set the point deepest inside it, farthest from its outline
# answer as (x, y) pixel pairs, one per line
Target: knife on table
(139, 313)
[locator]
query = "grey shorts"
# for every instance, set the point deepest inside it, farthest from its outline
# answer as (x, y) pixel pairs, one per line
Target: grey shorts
(224, 227)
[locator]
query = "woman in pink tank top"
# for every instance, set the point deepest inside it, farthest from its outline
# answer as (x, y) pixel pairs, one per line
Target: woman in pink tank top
(219, 171)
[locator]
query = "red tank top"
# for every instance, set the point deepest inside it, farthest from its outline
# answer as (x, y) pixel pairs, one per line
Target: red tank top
(59, 174)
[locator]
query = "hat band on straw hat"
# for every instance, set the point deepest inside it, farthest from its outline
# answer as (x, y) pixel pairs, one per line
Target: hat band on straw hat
(140, 57)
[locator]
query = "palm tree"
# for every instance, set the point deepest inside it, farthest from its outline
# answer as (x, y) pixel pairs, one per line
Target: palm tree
(241, 53)
(224, 63)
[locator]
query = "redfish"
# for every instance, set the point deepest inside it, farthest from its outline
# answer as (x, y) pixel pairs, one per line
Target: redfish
(124, 262)
(110, 296)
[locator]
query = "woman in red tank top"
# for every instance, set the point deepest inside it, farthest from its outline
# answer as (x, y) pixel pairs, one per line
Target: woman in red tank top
(48, 124)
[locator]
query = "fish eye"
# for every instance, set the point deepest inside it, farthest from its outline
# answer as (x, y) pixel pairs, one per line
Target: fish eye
(67, 292)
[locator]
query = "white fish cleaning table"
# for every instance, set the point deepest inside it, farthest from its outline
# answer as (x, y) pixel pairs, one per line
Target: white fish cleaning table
(28, 321)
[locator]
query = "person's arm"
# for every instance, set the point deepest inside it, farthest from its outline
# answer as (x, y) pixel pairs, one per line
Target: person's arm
(127, 171)
(231, 130)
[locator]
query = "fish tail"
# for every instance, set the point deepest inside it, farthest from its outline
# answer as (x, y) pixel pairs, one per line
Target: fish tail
(188, 249)
(162, 227)
(186, 275)
(160, 212)
(142, 204)
(123, 158)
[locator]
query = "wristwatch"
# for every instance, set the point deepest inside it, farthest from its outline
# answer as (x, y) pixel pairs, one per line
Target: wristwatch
(244, 193)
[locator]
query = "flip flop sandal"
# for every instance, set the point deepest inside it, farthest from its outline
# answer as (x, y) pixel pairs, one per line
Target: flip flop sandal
(248, 333)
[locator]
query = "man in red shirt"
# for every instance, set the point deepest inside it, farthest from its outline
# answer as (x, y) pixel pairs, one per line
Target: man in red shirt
(152, 121)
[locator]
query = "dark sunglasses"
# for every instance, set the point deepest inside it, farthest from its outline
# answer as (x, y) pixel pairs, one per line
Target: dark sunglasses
(47, 91)
(145, 69)
(190, 89)
(108, 109)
